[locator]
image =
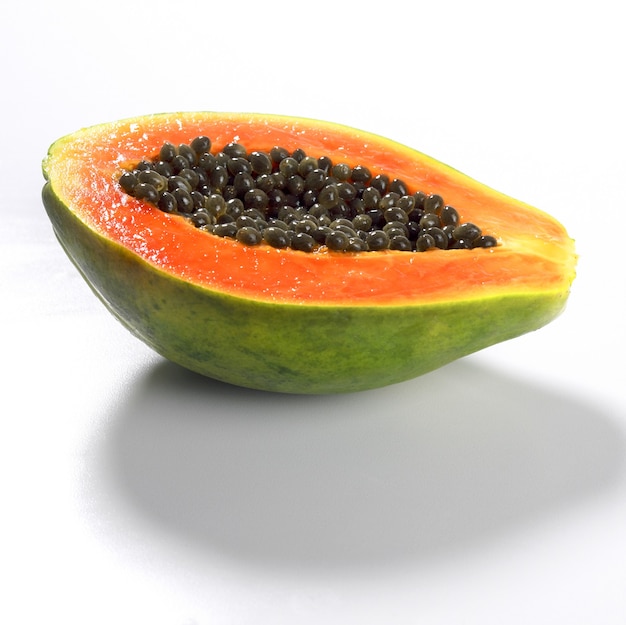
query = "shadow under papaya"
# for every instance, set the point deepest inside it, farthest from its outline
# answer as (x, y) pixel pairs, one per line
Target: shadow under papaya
(400, 474)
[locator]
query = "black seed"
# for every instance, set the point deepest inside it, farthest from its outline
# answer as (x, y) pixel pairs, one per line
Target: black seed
(462, 244)
(400, 243)
(448, 230)
(299, 154)
(415, 215)
(200, 218)
(468, 231)
(249, 235)
(215, 204)
(349, 230)
(413, 230)
(152, 177)
(341, 222)
(255, 198)
(222, 159)
(376, 215)
(377, 240)
(357, 206)
(433, 203)
(395, 229)
(371, 197)
(286, 213)
(277, 154)
(276, 237)
(307, 165)
(183, 200)
(178, 182)
(234, 207)
(306, 226)
(261, 163)
(320, 234)
(439, 236)
(143, 166)
(279, 179)
(295, 184)
(254, 214)
(362, 222)
(128, 182)
(430, 220)
(337, 240)
(347, 192)
(198, 199)
(315, 180)
(356, 244)
(485, 241)
(303, 242)
(265, 182)
(275, 199)
(190, 176)
(225, 218)
(424, 242)
(228, 192)
(309, 197)
(398, 186)
(288, 167)
(167, 152)
(189, 154)
(388, 200)
(242, 183)
(278, 223)
(234, 150)
(380, 182)
(167, 202)
(361, 174)
(329, 196)
(324, 163)
(238, 165)
(341, 209)
(406, 203)
(200, 145)
(395, 214)
(420, 197)
(246, 221)
(449, 216)
(207, 161)
(341, 171)
(145, 191)
(318, 211)
(164, 168)
(179, 162)
(228, 229)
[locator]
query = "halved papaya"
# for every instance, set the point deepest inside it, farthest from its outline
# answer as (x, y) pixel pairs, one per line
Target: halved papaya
(285, 320)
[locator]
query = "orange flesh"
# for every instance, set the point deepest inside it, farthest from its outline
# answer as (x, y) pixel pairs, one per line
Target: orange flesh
(535, 253)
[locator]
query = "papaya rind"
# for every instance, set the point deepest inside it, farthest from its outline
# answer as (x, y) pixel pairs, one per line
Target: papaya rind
(283, 346)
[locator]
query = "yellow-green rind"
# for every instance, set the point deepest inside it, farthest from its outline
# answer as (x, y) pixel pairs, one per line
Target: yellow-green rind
(287, 347)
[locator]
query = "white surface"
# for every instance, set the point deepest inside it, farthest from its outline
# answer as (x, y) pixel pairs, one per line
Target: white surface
(492, 491)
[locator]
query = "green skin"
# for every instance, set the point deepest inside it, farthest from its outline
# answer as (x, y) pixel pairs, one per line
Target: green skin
(289, 348)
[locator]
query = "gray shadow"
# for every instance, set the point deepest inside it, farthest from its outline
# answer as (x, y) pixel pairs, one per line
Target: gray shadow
(419, 470)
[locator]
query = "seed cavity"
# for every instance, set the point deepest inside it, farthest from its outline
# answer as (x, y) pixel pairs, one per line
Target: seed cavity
(295, 200)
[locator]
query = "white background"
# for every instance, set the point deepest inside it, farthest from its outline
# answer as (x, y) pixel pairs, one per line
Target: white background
(491, 491)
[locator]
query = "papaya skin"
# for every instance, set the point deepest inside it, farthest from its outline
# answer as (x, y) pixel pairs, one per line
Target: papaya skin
(287, 321)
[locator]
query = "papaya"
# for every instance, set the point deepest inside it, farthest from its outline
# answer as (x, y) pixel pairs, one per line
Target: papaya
(269, 314)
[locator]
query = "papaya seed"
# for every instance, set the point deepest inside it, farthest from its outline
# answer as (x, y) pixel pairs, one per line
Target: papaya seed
(293, 199)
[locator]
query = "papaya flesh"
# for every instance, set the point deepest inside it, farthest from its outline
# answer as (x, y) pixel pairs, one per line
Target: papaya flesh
(289, 321)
